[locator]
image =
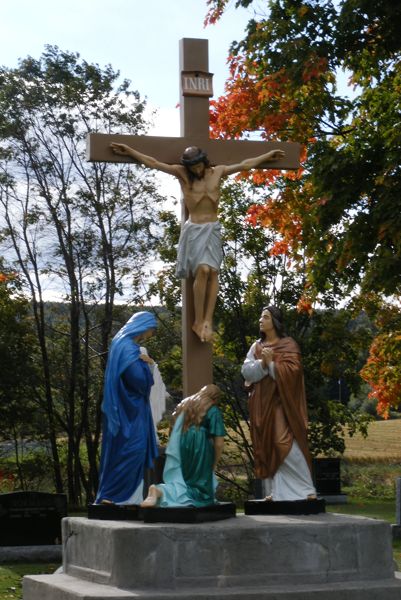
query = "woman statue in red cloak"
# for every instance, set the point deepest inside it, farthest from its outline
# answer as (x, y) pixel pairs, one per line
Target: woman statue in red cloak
(278, 412)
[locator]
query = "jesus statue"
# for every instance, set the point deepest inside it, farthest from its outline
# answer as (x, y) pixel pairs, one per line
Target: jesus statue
(199, 248)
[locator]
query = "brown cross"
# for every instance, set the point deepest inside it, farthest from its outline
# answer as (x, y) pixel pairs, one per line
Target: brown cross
(194, 115)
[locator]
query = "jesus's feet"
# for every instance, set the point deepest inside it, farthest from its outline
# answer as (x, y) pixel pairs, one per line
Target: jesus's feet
(198, 329)
(204, 331)
(208, 333)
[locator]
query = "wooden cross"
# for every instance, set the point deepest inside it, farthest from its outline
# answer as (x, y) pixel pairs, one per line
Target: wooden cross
(196, 88)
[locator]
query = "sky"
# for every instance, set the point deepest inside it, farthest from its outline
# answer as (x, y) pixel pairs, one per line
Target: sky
(138, 38)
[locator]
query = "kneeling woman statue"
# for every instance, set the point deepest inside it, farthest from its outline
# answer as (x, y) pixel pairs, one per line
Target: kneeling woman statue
(192, 454)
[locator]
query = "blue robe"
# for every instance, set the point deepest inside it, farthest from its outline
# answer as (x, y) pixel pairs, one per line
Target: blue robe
(129, 442)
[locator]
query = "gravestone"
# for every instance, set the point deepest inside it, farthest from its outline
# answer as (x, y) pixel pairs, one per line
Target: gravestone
(327, 476)
(31, 518)
(327, 479)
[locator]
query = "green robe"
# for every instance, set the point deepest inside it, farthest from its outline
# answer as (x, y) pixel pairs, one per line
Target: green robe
(188, 474)
(197, 456)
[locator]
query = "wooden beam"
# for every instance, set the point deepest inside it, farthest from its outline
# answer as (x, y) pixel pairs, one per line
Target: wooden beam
(170, 149)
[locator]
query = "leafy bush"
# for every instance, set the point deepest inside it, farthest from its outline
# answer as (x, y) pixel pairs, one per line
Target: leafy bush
(370, 479)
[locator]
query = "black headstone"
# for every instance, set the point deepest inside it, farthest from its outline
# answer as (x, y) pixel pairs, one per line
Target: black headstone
(327, 476)
(31, 518)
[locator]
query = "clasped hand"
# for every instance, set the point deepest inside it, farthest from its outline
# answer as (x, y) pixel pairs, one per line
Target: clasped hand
(146, 359)
(267, 356)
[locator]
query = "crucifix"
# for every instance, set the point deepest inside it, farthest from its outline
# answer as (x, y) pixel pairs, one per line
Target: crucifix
(196, 89)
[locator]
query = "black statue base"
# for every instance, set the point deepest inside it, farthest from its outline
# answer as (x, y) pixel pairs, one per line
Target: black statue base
(189, 514)
(114, 512)
(294, 507)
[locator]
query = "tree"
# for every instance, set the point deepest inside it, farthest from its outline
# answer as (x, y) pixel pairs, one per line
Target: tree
(382, 370)
(339, 216)
(86, 231)
(283, 83)
(20, 419)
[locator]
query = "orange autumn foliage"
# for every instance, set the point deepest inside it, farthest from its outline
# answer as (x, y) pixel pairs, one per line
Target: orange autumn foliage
(305, 305)
(269, 103)
(215, 11)
(265, 102)
(283, 214)
(382, 371)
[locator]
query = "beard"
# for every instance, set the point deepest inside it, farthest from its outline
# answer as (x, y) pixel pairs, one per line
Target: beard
(198, 176)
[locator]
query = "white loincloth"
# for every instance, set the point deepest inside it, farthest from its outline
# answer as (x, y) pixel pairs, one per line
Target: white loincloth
(199, 244)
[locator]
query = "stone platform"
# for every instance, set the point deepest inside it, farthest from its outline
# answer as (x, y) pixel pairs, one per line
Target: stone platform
(325, 556)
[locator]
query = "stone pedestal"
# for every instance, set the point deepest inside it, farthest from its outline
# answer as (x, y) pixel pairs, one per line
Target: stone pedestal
(328, 556)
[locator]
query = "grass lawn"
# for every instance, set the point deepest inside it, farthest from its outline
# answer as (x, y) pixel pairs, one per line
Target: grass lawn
(363, 507)
(11, 577)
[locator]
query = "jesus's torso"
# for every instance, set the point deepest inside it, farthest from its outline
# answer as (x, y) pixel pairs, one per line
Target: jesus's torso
(201, 196)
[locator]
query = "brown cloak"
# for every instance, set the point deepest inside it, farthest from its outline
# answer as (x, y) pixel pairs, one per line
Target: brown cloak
(277, 409)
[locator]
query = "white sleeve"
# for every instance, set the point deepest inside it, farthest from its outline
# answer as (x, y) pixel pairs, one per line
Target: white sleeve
(158, 392)
(151, 366)
(252, 369)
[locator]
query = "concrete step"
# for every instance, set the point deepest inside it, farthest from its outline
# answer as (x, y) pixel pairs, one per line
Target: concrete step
(65, 587)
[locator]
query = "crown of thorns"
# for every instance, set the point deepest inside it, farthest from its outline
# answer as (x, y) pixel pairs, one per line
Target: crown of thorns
(197, 156)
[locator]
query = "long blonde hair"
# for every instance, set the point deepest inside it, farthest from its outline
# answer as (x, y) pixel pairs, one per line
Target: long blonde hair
(195, 407)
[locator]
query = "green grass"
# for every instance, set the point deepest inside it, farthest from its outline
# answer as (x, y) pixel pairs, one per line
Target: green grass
(363, 507)
(11, 577)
